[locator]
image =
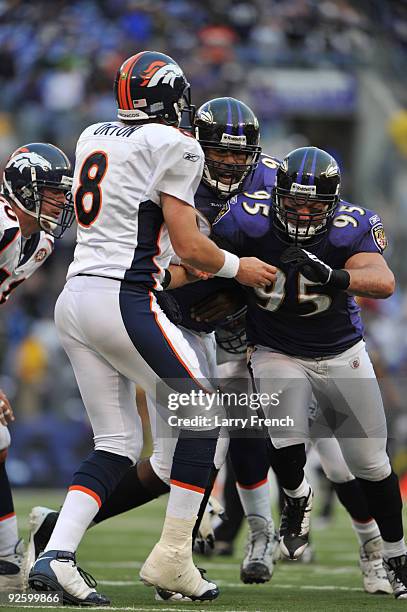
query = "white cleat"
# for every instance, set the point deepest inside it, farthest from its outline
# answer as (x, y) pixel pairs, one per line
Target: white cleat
(170, 567)
(56, 571)
(375, 579)
(11, 573)
(262, 551)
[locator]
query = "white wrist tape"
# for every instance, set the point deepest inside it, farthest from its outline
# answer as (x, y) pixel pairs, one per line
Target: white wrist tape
(230, 266)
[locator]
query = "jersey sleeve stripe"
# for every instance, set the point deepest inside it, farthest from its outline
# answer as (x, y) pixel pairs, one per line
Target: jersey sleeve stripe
(9, 236)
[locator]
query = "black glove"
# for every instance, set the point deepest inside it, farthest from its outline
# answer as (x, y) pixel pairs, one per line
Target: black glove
(314, 269)
(169, 306)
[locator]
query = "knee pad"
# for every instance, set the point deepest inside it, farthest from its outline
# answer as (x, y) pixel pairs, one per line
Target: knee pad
(373, 473)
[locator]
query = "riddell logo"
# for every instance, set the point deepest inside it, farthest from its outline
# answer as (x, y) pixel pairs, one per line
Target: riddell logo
(160, 71)
(307, 189)
(230, 138)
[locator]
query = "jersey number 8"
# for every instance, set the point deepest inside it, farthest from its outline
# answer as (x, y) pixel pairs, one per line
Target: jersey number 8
(91, 175)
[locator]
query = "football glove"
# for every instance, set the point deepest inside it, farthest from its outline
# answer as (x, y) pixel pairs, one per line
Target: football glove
(169, 306)
(314, 269)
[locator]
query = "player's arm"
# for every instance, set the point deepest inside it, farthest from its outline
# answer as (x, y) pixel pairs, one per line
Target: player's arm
(197, 250)
(364, 274)
(179, 275)
(370, 276)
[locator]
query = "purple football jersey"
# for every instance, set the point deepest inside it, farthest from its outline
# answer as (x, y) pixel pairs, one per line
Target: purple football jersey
(211, 207)
(294, 315)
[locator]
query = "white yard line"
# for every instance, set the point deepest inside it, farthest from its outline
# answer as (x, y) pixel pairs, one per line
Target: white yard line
(224, 583)
(314, 568)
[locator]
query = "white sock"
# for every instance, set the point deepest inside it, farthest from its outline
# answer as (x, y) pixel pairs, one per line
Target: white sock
(256, 499)
(79, 509)
(8, 534)
(365, 531)
(184, 502)
(393, 549)
(301, 491)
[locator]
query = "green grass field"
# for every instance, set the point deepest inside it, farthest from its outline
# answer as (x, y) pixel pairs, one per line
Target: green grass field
(114, 551)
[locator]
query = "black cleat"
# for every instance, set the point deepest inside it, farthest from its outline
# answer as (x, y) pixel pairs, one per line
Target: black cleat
(396, 568)
(294, 526)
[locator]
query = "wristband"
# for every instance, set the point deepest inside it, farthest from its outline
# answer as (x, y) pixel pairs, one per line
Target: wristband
(230, 266)
(166, 280)
(340, 279)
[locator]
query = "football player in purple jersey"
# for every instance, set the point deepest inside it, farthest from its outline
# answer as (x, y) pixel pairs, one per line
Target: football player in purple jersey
(306, 338)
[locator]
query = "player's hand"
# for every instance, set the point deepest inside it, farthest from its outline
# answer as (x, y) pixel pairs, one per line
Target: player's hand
(194, 272)
(255, 273)
(6, 412)
(216, 307)
(315, 269)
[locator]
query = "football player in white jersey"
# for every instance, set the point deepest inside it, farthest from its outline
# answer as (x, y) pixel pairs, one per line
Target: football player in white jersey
(134, 186)
(33, 210)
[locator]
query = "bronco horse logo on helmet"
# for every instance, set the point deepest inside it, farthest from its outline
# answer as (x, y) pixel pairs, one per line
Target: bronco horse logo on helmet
(29, 159)
(160, 71)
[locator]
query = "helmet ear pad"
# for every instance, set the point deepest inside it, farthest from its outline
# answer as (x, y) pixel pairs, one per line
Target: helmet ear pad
(151, 85)
(305, 195)
(38, 179)
(227, 124)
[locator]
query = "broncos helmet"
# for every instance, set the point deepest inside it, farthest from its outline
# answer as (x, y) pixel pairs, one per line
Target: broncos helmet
(227, 124)
(37, 174)
(307, 177)
(151, 85)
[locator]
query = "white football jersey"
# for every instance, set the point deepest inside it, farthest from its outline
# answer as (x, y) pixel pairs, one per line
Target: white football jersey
(120, 172)
(19, 257)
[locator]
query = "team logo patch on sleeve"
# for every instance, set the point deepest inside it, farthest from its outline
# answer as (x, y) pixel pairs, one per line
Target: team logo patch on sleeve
(40, 255)
(379, 237)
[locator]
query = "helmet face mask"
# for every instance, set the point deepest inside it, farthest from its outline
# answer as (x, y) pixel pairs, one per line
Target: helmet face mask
(227, 128)
(37, 178)
(231, 333)
(305, 195)
(152, 86)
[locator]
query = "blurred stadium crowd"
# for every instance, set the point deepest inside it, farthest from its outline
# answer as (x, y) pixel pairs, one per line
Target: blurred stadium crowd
(329, 73)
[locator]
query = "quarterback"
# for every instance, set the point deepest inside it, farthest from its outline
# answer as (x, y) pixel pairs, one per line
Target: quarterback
(134, 200)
